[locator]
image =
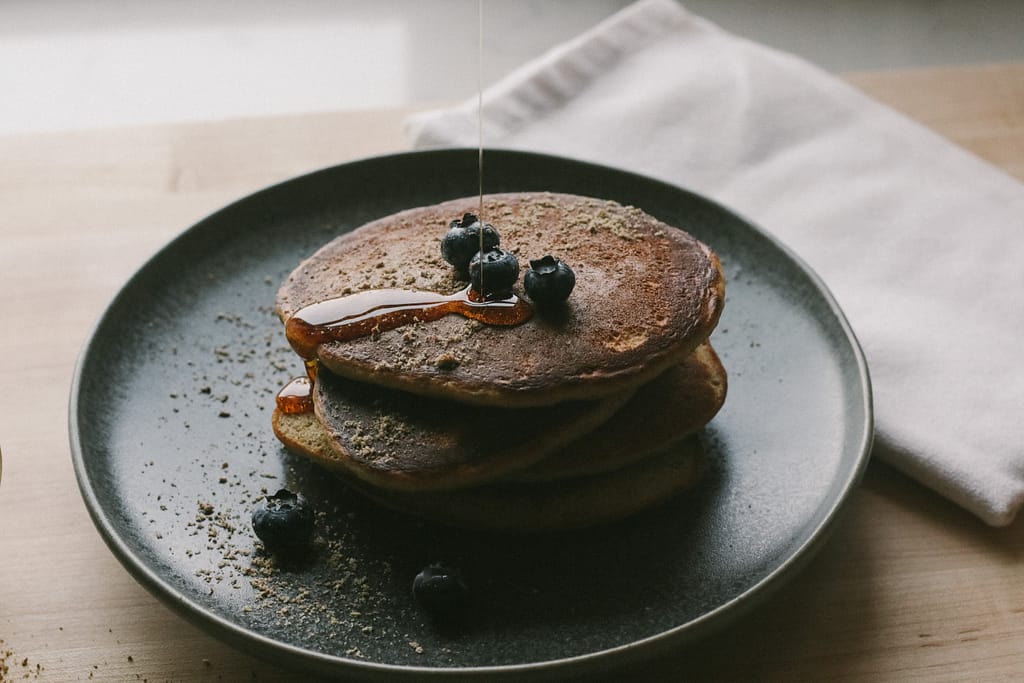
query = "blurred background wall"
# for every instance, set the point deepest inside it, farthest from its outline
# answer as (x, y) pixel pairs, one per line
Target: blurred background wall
(91, 63)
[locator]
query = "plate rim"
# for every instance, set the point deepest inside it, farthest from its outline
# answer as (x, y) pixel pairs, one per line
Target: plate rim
(288, 655)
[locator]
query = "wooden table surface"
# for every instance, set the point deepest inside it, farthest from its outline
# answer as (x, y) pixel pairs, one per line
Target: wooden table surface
(910, 587)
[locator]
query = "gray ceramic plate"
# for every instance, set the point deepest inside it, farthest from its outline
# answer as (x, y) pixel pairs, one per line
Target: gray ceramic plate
(170, 435)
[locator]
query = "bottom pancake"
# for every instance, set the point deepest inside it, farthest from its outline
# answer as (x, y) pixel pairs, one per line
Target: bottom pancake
(522, 507)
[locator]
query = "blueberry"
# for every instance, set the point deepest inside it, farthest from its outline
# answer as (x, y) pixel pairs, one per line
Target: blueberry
(463, 241)
(549, 281)
(283, 521)
(441, 591)
(500, 270)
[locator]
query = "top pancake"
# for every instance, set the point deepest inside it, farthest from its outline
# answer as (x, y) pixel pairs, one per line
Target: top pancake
(646, 295)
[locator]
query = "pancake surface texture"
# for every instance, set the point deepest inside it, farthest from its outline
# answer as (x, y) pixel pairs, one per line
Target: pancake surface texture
(646, 295)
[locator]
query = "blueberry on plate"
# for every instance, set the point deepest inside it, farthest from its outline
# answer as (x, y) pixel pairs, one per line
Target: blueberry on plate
(462, 241)
(283, 521)
(498, 268)
(549, 281)
(441, 591)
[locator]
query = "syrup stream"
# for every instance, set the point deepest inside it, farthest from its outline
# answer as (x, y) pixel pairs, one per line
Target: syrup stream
(479, 111)
(480, 126)
(375, 311)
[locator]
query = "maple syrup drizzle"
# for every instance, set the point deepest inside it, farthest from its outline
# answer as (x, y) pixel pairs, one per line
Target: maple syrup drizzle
(378, 310)
(375, 311)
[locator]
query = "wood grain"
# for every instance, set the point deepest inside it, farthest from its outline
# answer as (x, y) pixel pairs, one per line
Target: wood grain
(908, 588)
(980, 108)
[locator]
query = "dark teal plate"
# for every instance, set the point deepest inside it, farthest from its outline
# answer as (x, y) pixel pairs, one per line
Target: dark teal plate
(170, 434)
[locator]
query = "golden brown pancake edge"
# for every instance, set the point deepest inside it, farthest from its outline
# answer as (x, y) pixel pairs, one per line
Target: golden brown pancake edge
(397, 440)
(675, 404)
(529, 507)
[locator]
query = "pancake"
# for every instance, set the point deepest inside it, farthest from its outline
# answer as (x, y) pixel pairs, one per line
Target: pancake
(397, 440)
(675, 404)
(534, 507)
(560, 505)
(646, 295)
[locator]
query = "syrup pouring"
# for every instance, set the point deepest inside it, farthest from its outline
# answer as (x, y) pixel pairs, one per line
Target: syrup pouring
(371, 312)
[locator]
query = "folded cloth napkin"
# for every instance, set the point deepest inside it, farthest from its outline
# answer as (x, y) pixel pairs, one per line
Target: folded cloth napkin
(921, 243)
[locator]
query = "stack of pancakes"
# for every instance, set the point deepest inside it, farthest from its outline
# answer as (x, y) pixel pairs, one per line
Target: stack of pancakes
(583, 414)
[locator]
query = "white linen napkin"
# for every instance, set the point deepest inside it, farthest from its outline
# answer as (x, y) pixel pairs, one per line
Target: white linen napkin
(921, 243)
